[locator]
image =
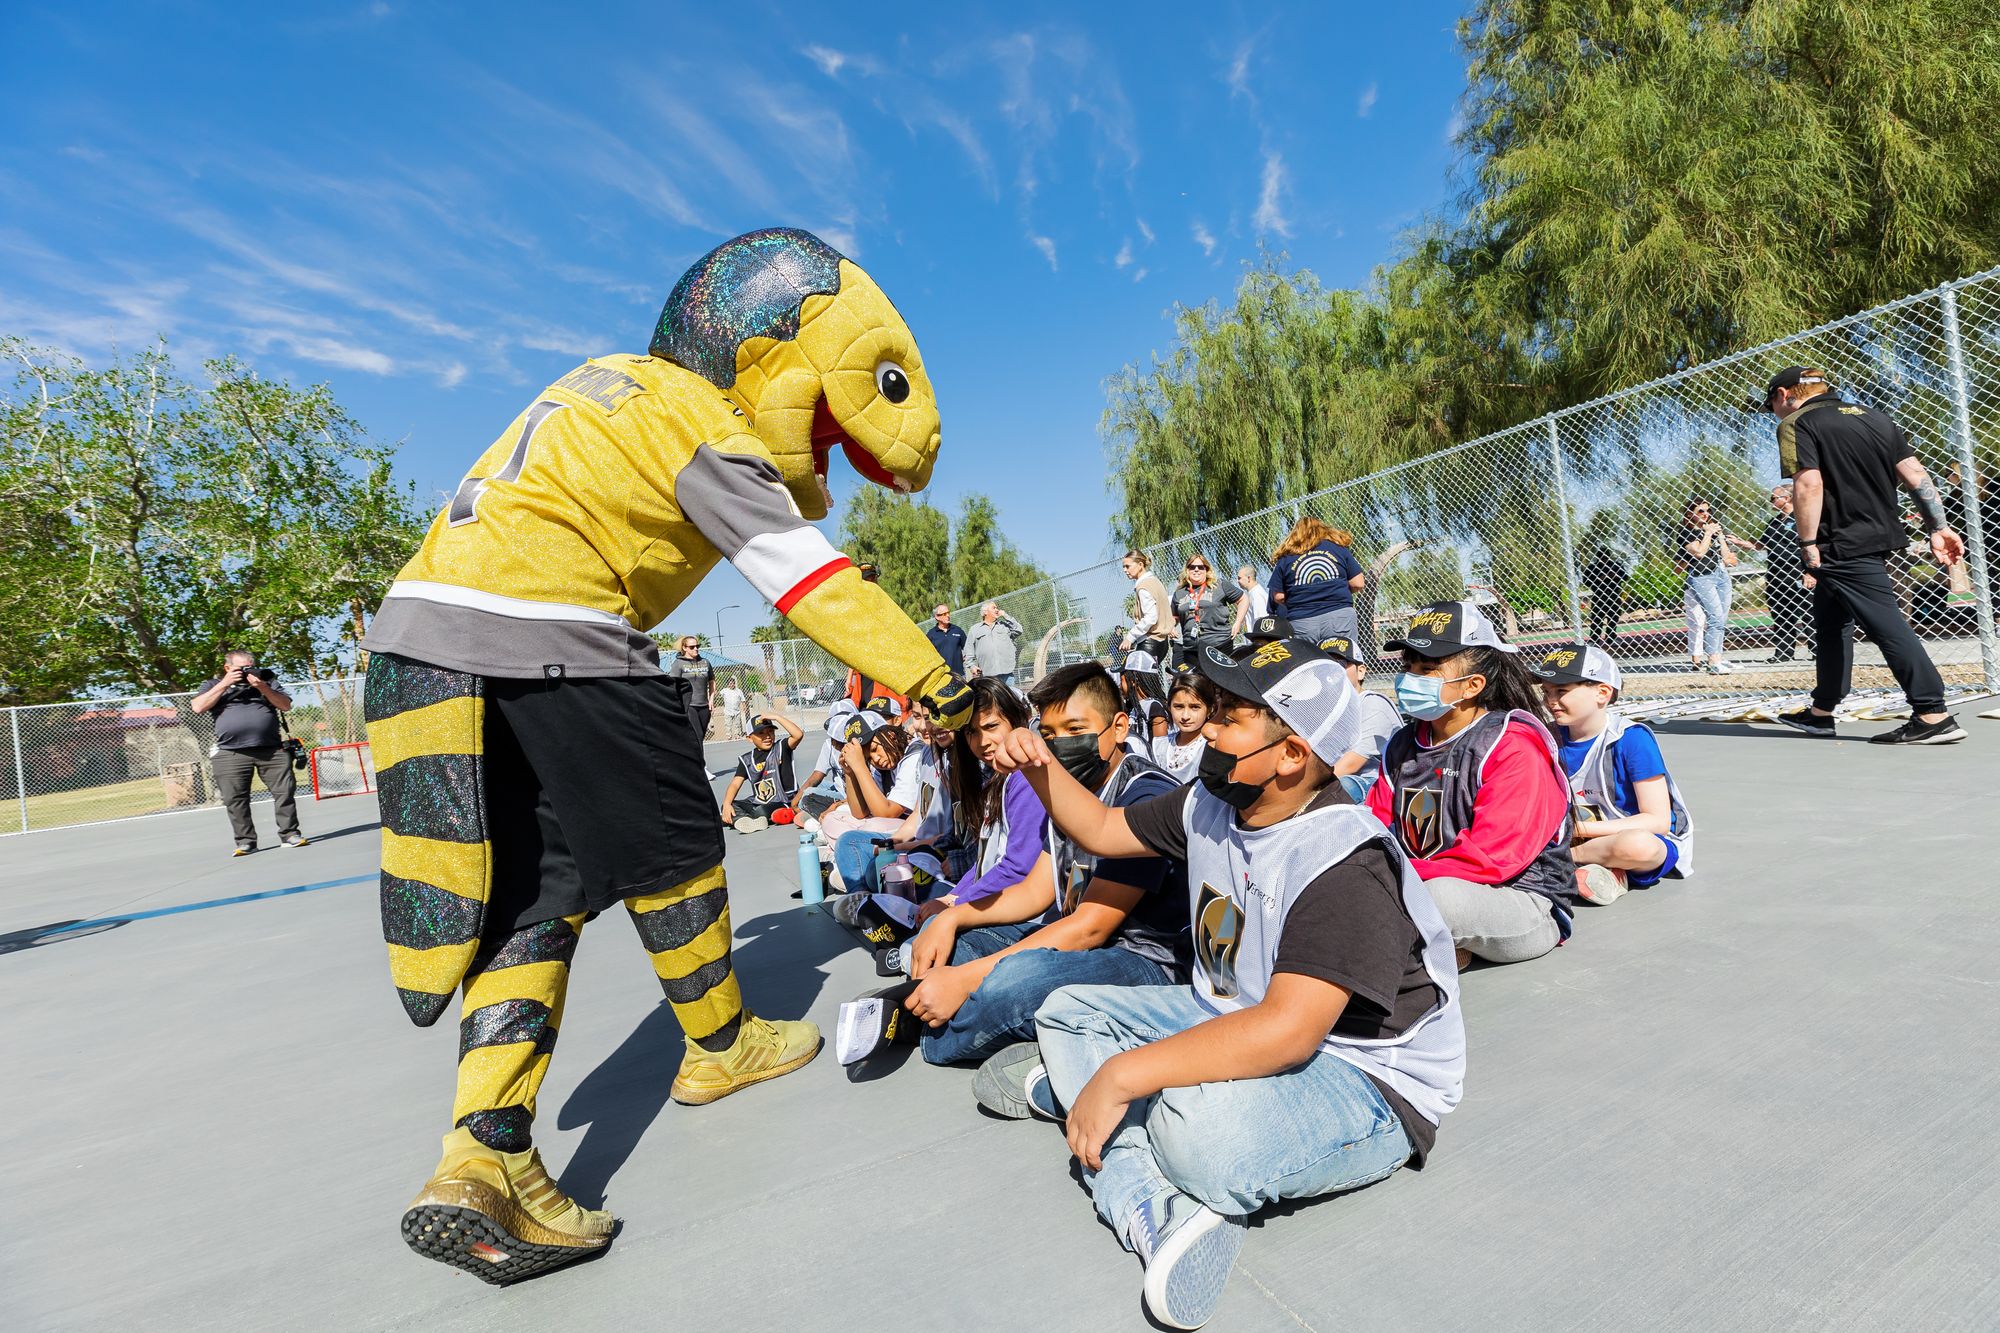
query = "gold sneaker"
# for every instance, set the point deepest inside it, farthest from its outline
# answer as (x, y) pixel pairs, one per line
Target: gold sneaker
(498, 1216)
(763, 1050)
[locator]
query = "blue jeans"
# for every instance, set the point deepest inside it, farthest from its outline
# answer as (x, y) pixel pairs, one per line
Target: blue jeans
(859, 860)
(1002, 1010)
(1710, 592)
(1233, 1146)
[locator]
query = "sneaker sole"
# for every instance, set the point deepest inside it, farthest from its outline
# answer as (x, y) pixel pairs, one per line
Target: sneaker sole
(1951, 738)
(1601, 897)
(1185, 1280)
(993, 1085)
(479, 1230)
(692, 1096)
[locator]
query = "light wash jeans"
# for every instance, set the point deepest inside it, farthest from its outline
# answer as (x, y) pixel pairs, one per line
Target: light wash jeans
(1325, 625)
(1002, 1010)
(1233, 1146)
(1706, 598)
(1494, 922)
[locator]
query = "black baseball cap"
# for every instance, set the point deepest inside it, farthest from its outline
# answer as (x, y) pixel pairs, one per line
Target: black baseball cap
(1308, 690)
(1791, 377)
(1577, 664)
(1444, 628)
(1341, 649)
(1264, 629)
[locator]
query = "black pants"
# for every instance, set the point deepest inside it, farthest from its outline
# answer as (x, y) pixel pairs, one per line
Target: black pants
(698, 715)
(232, 783)
(1606, 610)
(1854, 592)
(1791, 608)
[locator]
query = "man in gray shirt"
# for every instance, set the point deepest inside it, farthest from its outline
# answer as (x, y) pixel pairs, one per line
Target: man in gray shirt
(246, 701)
(990, 648)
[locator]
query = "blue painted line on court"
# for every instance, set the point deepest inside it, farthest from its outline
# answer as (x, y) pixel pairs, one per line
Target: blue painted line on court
(119, 918)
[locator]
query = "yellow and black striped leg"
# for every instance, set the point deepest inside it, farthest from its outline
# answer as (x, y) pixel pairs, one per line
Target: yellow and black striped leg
(514, 994)
(686, 930)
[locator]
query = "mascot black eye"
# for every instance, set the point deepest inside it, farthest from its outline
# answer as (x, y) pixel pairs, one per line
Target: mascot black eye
(893, 383)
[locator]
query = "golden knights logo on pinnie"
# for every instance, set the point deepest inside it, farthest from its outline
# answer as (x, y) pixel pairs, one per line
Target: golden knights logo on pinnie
(1218, 937)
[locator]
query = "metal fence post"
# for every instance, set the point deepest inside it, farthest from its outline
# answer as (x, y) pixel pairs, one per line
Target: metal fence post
(1968, 483)
(1562, 512)
(20, 768)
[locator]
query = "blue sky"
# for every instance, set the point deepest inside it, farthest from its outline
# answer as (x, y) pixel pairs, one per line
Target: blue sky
(439, 209)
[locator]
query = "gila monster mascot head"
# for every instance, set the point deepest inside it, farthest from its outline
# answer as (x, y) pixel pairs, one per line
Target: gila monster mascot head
(809, 347)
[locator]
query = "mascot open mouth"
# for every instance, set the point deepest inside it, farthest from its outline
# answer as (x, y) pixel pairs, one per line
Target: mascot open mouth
(827, 433)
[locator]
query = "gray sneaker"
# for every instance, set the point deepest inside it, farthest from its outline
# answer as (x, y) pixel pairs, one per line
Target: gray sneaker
(1012, 1083)
(1189, 1250)
(751, 824)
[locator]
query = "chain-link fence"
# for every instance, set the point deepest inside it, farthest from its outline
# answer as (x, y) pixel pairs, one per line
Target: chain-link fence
(91, 760)
(1645, 521)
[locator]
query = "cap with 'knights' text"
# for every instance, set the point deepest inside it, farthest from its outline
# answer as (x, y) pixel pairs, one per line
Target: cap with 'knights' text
(1444, 628)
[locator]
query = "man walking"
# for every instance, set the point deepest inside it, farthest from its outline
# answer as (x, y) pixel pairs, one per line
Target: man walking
(1846, 463)
(246, 702)
(948, 639)
(735, 710)
(992, 644)
(695, 675)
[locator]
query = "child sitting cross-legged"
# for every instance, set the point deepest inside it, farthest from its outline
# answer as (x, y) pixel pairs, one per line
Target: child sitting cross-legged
(979, 969)
(1320, 1042)
(1473, 789)
(761, 786)
(1632, 827)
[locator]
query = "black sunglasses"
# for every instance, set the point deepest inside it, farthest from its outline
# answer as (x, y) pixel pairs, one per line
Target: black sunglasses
(1204, 568)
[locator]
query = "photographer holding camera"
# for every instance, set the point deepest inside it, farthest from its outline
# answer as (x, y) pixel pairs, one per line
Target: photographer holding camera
(247, 705)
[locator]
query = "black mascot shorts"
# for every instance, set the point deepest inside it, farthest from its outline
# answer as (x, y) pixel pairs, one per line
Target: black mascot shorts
(596, 791)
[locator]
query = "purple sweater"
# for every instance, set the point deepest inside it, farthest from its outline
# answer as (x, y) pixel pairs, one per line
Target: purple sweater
(1027, 822)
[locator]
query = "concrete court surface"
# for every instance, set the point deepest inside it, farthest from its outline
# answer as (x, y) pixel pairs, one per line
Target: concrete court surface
(1762, 1099)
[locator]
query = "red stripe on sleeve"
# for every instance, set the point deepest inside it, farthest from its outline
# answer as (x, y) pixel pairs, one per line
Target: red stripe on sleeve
(811, 581)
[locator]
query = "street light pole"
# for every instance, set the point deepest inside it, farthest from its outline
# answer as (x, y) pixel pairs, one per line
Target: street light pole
(733, 606)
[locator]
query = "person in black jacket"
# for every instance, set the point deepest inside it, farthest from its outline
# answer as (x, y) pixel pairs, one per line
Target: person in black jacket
(1784, 577)
(1847, 463)
(1604, 580)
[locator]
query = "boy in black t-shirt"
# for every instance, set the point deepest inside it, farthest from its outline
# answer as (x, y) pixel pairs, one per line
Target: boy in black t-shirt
(1320, 1041)
(763, 778)
(979, 970)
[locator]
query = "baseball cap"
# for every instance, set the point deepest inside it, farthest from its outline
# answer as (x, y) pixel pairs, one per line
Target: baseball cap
(1444, 628)
(1791, 377)
(853, 726)
(1266, 628)
(762, 723)
(1140, 660)
(1308, 690)
(1342, 649)
(1574, 663)
(883, 706)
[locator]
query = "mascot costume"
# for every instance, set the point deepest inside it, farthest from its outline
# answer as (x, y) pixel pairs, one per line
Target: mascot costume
(537, 767)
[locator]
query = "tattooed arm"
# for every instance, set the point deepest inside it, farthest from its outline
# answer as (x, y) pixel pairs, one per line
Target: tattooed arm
(1946, 545)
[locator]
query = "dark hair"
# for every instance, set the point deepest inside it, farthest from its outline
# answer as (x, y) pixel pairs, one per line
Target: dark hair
(1508, 686)
(893, 739)
(990, 696)
(1142, 685)
(1200, 686)
(1086, 679)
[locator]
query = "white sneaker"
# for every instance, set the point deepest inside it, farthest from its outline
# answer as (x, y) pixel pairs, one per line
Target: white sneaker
(1189, 1250)
(1599, 884)
(1721, 666)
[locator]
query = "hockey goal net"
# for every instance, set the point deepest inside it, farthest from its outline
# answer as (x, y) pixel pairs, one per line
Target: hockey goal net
(342, 770)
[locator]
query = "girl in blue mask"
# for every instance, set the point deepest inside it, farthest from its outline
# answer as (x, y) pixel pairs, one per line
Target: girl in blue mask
(1473, 790)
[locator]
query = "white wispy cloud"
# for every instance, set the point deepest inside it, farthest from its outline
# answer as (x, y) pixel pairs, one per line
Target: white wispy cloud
(1047, 247)
(1145, 230)
(828, 59)
(1140, 274)
(1238, 74)
(1123, 259)
(1203, 237)
(1366, 102)
(452, 375)
(1270, 215)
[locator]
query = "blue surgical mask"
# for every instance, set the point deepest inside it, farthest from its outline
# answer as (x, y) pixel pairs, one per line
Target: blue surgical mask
(1422, 697)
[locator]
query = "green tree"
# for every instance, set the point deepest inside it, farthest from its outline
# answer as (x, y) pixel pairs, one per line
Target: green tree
(923, 561)
(151, 523)
(983, 562)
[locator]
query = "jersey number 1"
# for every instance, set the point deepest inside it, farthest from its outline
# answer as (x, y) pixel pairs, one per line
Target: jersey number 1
(465, 501)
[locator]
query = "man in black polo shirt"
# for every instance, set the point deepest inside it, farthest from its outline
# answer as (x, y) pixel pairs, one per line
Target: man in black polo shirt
(1846, 463)
(246, 701)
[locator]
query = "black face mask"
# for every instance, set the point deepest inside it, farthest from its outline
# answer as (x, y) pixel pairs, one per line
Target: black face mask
(1217, 765)
(1079, 757)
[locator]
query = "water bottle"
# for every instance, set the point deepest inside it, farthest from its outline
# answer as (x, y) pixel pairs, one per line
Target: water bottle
(811, 887)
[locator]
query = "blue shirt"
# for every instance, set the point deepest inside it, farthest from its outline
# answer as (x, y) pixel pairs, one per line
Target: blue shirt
(1314, 583)
(1635, 758)
(950, 645)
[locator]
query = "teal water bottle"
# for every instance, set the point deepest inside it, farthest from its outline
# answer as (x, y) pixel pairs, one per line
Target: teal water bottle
(811, 887)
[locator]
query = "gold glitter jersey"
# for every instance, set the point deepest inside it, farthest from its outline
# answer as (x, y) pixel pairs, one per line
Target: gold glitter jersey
(597, 512)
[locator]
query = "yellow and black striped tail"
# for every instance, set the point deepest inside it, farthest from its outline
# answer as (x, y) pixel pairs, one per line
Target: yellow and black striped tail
(426, 728)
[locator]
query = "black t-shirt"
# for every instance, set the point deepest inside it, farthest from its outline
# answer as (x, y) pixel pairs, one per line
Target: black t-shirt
(1781, 545)
(244, 719)
(1692, 564)
(1855, 450)
(1349, 928)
